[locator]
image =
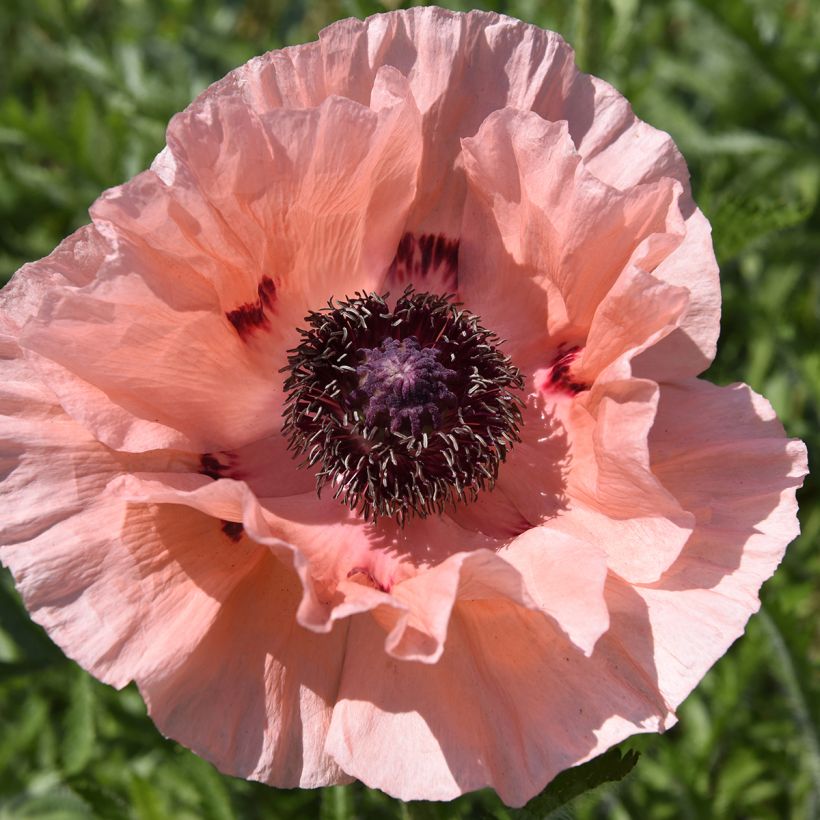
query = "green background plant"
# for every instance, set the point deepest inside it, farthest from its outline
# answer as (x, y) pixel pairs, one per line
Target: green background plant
(86, 89)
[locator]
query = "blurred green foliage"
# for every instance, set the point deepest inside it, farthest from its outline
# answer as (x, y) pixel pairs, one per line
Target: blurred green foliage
(86, 89)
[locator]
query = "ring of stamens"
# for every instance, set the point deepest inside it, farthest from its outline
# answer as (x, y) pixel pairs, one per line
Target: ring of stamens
(405, 410)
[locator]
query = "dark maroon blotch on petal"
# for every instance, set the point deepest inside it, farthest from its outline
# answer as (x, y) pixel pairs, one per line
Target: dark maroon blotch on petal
(425, 256)
(233, 529)
(211, 466)
(560, 377)
(254, 315)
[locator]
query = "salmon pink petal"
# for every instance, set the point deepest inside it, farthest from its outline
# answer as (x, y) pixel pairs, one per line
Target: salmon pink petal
(533, 480)
(618, 490)
(510, 65)
(565, 577)
(104, 579)
(266, 466)
(636, 314)
(722, 452)
(616, 500)
(128, 592)
(721, 449)
(420, 633)
(316, 196)
(503, 707)
(623, 151)
(346, 567)
(154, 343)
(38, 440)
(690, 347)
(567, 585)
(152, 362)
(454, 91)
(566, 235)
(263, 711)
(231, 503)
(74, 261)
(543, 571)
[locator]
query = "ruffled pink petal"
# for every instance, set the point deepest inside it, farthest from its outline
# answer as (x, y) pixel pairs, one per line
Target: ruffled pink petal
(454, 91)
(584, 468)
(612, 485)
(506, 706)
(155, 363)
(540, 76)
(323, 542)
(563, 237)
(74, 262)
(479, 568)
(128, 592)
(145, 592)
(565, 577)
(51, 467)
(151, 346)
(690, 347)
(413, 576)
(533, 479)
(266, 466)
(315, 196)
(345, 566)
(723, 453)
(106, 580)
(618, 148)
(420, 632)
(540, 570)
(461, 68)
(623, 151)
(636, 314)
(262, 711)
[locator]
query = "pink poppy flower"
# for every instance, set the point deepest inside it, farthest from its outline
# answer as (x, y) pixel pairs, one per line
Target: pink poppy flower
(523, 551)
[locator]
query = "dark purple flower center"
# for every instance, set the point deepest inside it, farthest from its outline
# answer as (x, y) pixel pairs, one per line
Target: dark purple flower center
(401, 382)
(406, 409)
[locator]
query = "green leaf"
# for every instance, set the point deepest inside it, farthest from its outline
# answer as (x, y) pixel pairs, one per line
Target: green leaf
(145, 799)
(61, 804)
(215, 801)
(21, 730)
(105, 802)
(607, 768)
(742, 214)
(79, 736)
(29, 637)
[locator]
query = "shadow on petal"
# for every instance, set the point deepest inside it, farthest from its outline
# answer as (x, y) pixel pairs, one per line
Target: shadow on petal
(261, 711)
(724, 455)
(509, 704)
(534, 477)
